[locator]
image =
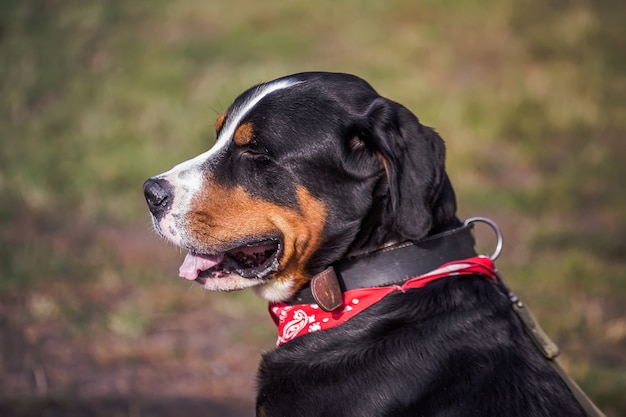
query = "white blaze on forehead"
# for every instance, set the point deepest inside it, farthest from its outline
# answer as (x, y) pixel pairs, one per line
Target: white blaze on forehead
(234, 119)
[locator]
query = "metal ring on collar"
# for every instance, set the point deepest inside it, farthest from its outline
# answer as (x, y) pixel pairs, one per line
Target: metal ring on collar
(496, 230)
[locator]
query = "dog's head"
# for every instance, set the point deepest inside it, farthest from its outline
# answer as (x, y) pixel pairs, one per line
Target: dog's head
(305, 170)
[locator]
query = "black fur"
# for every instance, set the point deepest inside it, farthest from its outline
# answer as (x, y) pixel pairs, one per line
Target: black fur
(451, 348)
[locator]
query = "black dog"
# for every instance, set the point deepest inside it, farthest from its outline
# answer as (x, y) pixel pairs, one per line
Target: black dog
(316, 170)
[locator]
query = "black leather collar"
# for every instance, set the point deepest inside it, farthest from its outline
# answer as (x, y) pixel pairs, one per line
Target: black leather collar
(392, 265)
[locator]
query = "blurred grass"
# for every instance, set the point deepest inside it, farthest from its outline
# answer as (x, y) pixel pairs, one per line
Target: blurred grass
(530, 97)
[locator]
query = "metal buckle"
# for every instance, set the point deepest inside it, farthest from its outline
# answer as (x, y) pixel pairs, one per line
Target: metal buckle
(496, 230)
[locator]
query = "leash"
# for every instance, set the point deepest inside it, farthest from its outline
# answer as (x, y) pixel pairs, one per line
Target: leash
(540, 338)
(550, 351)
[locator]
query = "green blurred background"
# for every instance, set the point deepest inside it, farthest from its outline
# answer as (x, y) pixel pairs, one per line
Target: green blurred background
(97, 96)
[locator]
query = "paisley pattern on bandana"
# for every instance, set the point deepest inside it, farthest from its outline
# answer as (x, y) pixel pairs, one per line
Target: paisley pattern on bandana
(297, 320)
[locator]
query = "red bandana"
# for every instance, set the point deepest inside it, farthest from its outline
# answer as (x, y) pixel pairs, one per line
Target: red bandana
(296, 320)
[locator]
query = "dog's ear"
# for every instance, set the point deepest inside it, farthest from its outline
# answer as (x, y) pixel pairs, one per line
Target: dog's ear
(421, 195)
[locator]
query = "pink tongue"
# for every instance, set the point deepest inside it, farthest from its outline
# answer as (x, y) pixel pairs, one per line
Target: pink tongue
(194, 263)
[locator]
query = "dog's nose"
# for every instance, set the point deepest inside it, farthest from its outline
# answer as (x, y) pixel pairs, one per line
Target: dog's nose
(158, 193)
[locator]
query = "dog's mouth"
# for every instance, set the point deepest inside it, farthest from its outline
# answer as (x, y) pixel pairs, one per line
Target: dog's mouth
(252, 261)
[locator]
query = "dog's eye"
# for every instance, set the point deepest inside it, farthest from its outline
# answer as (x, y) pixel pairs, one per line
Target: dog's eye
(255, 154)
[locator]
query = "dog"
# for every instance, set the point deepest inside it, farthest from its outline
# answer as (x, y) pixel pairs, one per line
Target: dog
(314, 191)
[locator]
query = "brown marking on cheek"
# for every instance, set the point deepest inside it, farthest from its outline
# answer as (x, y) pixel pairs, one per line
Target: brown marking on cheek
(244, 134)
(219, 218)
(220, 122)
(309, 227)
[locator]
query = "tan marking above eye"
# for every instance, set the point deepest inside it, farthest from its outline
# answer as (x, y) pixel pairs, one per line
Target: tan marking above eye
(244, 134)
(219, 215)
(220, 122)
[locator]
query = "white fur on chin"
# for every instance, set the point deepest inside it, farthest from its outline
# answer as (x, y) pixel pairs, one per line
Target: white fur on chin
(275, 291)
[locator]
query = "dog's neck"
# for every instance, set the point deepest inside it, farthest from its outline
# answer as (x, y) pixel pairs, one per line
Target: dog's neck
(393, 239)
(389, 265)
(295, 320)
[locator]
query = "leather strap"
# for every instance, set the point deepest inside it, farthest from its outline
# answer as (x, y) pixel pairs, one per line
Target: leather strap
(590, 409)
(392, 265)
(549, 350)
(326, 290)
